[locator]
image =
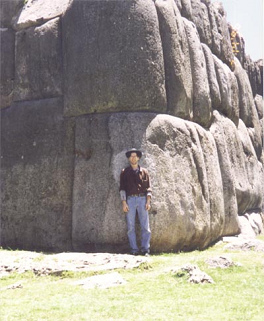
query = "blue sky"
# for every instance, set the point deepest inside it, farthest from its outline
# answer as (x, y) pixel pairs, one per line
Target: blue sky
(247, 17)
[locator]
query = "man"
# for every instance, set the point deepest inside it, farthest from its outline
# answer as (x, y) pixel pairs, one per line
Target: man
(135, 192)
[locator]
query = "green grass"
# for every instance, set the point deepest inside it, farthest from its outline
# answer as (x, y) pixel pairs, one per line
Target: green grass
(260, 237)
(151, 292)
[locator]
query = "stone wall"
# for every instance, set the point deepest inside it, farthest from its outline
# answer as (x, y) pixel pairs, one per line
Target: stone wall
(83, 81)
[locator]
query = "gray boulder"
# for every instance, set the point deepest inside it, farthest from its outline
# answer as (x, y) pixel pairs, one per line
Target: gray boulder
(247, 109)
(247, 230)
(221, 43)
(254, 172)
(116, 54)
(246, 103)
(231, 225)
(178, 4)
(244, 244)
(259, 105)
(175, 149)
(260, 85)
(222, 26)
(234, 96)
(8, 11)
(216, 36)
(251, 224)
(179, 86)
(229, 91)
(214, 181)
(240, 164)
(98, 221)
(187, 207)
(254, 74)
(212, 77)
(38, 71)
(222, 262)
(7, 45)
(195, 274)
(256, 218)
(186, 9)
(37, 12)
(36, 176)
(200, 17)
(202, 107)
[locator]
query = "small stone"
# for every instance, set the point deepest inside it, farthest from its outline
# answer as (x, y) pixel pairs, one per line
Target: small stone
(196, 275)
(15, 286)
(222, 262)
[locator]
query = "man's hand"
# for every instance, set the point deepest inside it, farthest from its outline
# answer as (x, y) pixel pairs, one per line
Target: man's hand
(148, 206)
(125, 206)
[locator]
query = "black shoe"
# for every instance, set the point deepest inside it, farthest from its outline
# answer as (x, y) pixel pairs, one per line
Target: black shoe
(134, 253)
(145, 253)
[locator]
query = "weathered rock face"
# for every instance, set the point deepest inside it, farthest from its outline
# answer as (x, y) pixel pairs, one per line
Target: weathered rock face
(83, 81)
(259, 65)
(188, 208)
(201, 91)
(241, 170)
(38, 71)
(247, 109)
(8, 11)
(7, 45)
(36, 13)
(117, 52)
(228, 88)
(177, 62)
(185, 183)
(37, 173)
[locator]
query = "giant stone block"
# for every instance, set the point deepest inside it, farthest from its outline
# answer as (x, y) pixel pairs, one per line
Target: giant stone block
(101, 142)
(201, 19)
(202, 105)
(7, 68)
(8, 11)
(37, 173)
(231, 224)
(212, 77)
(187, 204)
(228, 87)
(221, 43)
(39, 62)
(113, 59)
(247, 108)
(179, 86)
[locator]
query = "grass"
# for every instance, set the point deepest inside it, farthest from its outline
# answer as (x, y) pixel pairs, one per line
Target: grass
(151, 292)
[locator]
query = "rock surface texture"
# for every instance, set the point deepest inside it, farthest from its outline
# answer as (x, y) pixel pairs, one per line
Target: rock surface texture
(83, 81)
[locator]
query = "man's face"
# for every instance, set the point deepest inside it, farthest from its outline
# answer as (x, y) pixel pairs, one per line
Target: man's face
(133, 159)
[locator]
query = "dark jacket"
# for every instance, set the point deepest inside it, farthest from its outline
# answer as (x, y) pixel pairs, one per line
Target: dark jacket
(135, 182)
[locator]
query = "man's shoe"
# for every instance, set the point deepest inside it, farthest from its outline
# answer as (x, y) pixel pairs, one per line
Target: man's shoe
(145, 253)
(134, 253)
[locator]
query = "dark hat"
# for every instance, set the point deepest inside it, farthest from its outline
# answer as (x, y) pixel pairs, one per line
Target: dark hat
(134, 150)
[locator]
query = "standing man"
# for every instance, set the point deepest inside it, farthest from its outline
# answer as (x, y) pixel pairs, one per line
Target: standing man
(135, 192)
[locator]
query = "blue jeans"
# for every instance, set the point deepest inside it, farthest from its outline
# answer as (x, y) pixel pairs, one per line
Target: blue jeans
(138, 203)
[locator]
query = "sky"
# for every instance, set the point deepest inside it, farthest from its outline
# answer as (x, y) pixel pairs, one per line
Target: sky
(246, 16)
